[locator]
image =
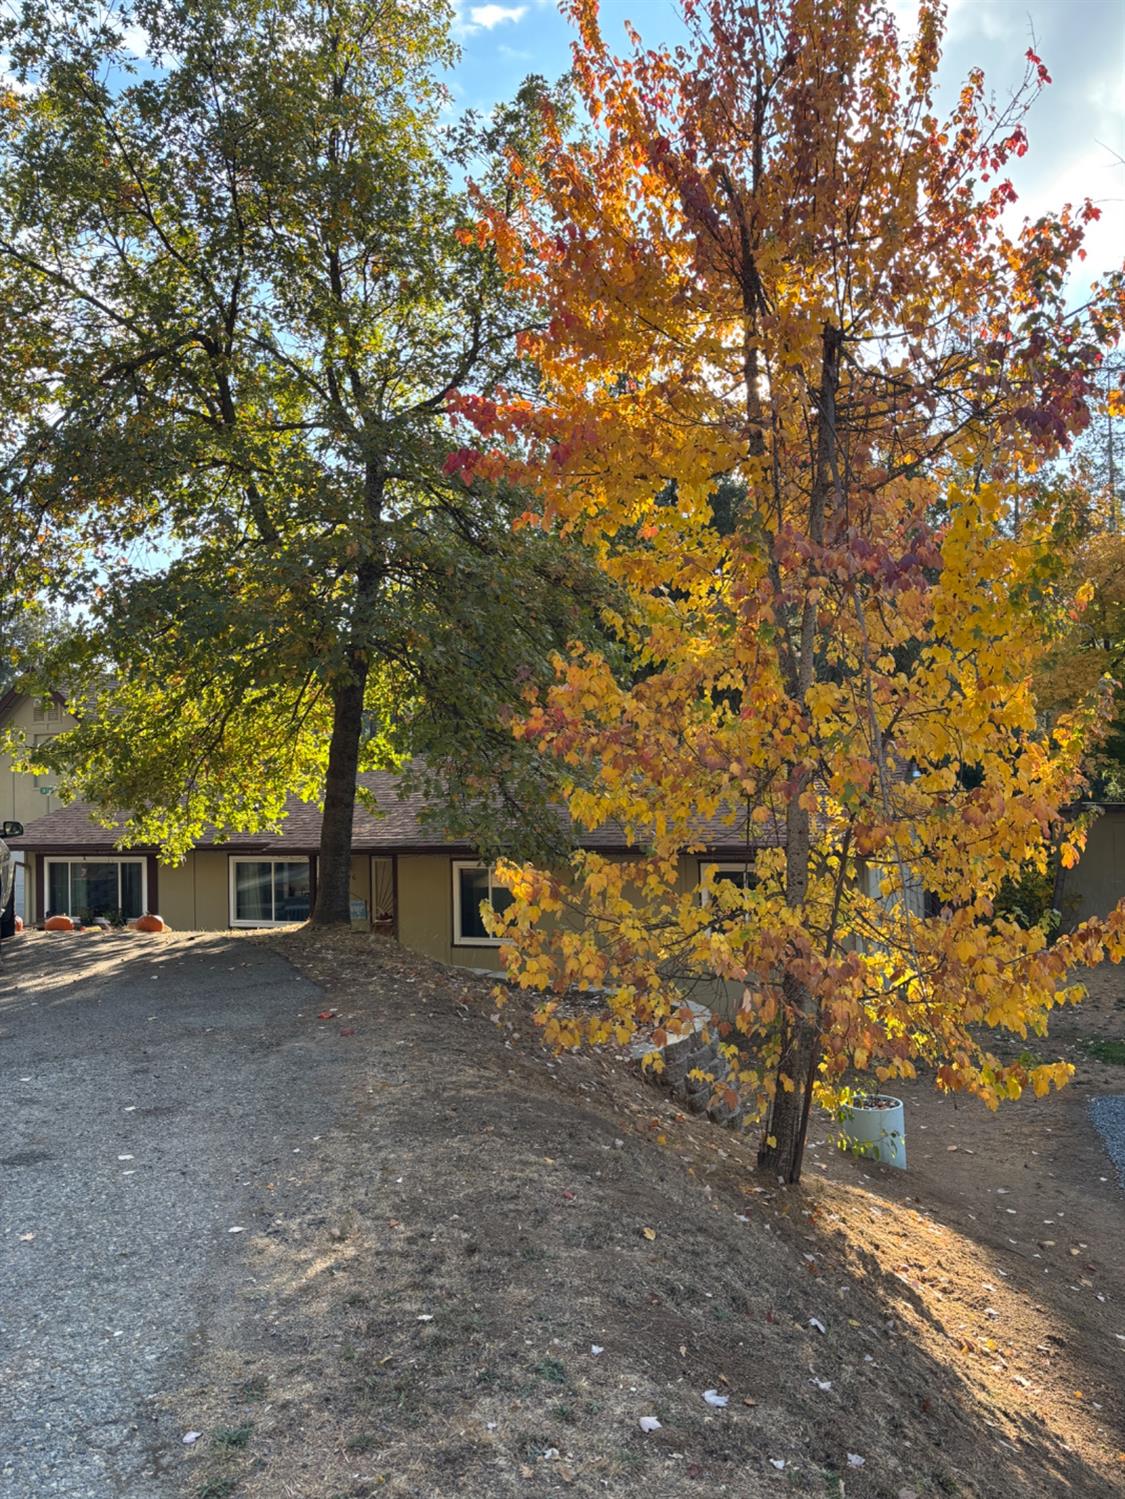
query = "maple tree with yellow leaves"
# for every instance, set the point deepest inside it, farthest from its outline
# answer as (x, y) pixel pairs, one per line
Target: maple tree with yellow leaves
(768, 265)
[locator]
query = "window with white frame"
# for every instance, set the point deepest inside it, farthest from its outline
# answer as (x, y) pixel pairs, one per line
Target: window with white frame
(47, 711)
(472, 884)
(269, 892)
(20, 861)
(737, 872)
(114, 888)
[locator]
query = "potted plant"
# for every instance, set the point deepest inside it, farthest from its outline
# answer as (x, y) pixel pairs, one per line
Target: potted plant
(874, 1125)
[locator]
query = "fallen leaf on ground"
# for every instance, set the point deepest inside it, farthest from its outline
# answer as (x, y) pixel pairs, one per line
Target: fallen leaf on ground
(649, 1233)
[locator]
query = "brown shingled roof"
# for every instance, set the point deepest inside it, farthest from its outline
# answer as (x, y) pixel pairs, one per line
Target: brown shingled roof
(401, 828)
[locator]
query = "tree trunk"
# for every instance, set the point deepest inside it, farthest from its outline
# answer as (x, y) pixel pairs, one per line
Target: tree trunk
(788, 1115)
(800, 1050)
(333, 900)
(333, 897)
(789, 1111)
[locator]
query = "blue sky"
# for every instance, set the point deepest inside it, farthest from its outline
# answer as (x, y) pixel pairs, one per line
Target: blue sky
(1077, 128)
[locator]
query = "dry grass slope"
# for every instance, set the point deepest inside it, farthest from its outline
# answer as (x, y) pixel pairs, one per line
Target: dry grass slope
(422, 1316)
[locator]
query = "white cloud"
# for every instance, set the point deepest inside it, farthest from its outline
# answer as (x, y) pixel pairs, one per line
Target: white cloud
(470, 20)
(9, 80)
(488, 16)
(136, 40)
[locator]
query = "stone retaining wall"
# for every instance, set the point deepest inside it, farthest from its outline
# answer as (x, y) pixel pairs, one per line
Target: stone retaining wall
(701, 1053)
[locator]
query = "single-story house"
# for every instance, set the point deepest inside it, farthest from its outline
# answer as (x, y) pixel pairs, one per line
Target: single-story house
(405, 877)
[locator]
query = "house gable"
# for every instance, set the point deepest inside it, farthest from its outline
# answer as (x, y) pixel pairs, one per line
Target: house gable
(26, 798)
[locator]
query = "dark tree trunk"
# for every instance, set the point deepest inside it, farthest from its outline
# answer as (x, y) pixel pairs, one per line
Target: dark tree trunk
(800, 1051)
(333, 887)
(333, 899)
(789, 1112)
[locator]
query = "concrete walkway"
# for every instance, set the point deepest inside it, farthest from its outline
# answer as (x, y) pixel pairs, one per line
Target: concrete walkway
(149, 1090)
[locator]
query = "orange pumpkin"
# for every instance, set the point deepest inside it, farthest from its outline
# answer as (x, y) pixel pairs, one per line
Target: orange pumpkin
(151, 923)
(58, 924)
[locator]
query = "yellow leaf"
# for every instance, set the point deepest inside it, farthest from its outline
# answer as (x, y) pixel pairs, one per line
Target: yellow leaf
(649, 1233)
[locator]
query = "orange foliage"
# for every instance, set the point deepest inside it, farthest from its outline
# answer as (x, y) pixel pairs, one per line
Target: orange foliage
(770, 263)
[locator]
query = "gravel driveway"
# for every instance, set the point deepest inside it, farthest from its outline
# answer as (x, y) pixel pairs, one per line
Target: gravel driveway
(151, 1094)
(1108, 1114)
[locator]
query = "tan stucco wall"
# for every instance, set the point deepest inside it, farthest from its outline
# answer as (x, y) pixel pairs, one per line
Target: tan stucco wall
(20, 797)
(425, 905)
(212, 891)
(1097, 882)
(175, 897)
(359, 882)
(425, 922)
(195, 895)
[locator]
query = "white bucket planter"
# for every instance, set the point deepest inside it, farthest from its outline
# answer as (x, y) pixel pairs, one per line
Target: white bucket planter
(876, 1128)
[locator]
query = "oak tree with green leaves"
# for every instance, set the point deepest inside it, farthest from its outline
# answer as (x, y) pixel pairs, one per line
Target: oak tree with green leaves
(241, 289)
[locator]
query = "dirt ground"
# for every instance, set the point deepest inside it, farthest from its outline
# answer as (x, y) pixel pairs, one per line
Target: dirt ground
(502, 1262)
